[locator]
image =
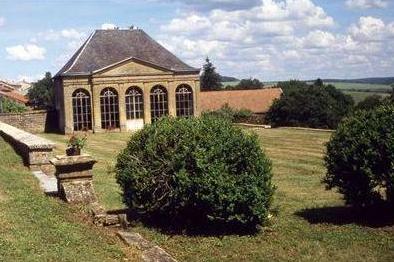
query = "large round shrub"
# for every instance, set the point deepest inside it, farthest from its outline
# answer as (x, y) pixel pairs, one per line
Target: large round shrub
(360, 157)
(196, 170)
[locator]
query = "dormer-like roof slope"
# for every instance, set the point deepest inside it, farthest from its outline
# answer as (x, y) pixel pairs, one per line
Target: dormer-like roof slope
(105, 48)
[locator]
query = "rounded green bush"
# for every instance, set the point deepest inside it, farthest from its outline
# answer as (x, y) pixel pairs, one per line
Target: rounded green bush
(196, 170)
(360, 157)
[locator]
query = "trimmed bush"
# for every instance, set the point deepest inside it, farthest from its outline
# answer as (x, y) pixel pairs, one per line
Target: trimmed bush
(195, 171)
(360, 157)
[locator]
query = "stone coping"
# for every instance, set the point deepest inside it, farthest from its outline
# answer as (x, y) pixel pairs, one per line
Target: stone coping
(62, 160)
(28, 139)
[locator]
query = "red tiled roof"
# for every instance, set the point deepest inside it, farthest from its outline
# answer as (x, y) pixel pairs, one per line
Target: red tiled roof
(257, 101)
(13, 95)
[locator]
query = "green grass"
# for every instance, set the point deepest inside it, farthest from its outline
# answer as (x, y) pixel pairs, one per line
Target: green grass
(35, 227)
(312, 223)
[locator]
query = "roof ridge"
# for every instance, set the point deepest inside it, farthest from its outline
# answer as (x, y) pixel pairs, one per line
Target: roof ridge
(80, 53)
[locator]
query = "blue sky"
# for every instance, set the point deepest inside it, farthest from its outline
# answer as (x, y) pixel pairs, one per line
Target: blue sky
(268, 39)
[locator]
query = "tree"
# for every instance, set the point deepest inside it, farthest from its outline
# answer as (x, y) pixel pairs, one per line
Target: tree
(310, 106)
(370, 102)
(210, 79)
(42, 93)
(291, 85)
(318, 82)
(245, 84)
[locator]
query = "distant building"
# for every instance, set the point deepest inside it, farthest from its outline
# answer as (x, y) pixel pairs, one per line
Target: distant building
(122, 79)
(9, 91)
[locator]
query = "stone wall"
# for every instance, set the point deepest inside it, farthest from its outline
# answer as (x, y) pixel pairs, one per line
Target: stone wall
(37, 121)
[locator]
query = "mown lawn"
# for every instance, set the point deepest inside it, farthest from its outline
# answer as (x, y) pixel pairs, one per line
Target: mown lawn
(35, 227)
(312, 224)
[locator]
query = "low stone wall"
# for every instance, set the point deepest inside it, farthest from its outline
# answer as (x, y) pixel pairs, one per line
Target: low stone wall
(36, 121)
(35, 151)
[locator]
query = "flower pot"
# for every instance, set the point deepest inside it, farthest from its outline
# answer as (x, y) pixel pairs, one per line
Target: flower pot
(73, 151)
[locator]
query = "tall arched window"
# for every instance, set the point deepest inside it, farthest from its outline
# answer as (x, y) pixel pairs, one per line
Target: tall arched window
(134, 103)
(184, 101)
(109, 104)
(158, 102)
(82, 113)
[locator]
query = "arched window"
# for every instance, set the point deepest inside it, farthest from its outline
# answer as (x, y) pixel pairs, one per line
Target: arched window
(82, 113)
(158, 102)
(109, 104)
(134, 103)
(184, 101)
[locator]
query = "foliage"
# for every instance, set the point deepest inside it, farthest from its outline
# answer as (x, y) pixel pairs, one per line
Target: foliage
(370, 102)
(246, 84)
(230, 114)
(318, 82)
(76, 141)
(210, 79)
(196, 170)
(310, 106)
(360, 157)
(9, 106)
(291, 85)
(42, 93)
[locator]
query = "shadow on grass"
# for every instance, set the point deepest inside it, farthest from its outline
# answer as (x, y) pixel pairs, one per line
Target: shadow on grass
(173, 227)
(375, 217)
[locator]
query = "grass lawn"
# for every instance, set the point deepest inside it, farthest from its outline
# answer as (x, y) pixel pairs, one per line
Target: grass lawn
(359, 96)
(312, 223)
(34, 227)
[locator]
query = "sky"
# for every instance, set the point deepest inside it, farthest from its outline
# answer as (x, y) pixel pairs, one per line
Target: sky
(266, 39)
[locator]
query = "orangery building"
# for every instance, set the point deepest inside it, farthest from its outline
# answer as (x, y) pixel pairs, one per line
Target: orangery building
(121, 79)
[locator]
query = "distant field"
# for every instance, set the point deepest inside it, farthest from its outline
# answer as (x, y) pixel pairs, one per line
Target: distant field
(359, 96)
(366, 87)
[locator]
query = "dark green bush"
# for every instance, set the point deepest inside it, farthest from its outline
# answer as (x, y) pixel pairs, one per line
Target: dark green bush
(360, 157)
(196, 170)
(310, 106)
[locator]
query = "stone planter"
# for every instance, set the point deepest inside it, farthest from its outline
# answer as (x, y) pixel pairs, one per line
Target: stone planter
(75, 178)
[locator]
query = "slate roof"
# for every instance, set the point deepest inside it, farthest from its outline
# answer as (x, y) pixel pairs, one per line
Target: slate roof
(108, 47)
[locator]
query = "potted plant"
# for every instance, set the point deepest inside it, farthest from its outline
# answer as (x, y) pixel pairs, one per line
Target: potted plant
(75, 144)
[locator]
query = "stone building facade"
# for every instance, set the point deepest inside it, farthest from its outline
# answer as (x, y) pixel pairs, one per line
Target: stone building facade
(120, 80)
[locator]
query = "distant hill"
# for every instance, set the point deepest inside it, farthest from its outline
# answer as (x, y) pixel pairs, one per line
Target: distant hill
(372, 80)
(228, 79)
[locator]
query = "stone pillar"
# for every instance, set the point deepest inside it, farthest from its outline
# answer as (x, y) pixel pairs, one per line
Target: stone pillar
(147, 114)
(75, 178)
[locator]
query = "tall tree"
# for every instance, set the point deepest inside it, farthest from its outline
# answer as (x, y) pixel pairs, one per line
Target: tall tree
(210, 79)
(42, 93)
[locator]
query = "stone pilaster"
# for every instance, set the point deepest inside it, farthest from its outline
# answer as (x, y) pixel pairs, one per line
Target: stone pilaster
(147, 114)
(75, 178)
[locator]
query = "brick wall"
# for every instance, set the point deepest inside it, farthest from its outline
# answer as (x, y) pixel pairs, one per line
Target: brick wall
(33, 121)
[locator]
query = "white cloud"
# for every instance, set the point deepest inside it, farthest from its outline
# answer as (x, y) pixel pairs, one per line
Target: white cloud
(319, 39)
(366, 4)
(72, 34)
(106, 26)
(2, 21)
(30, 78)
(26, 52)
(279, 39)
(368, 29)
(52, 35)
